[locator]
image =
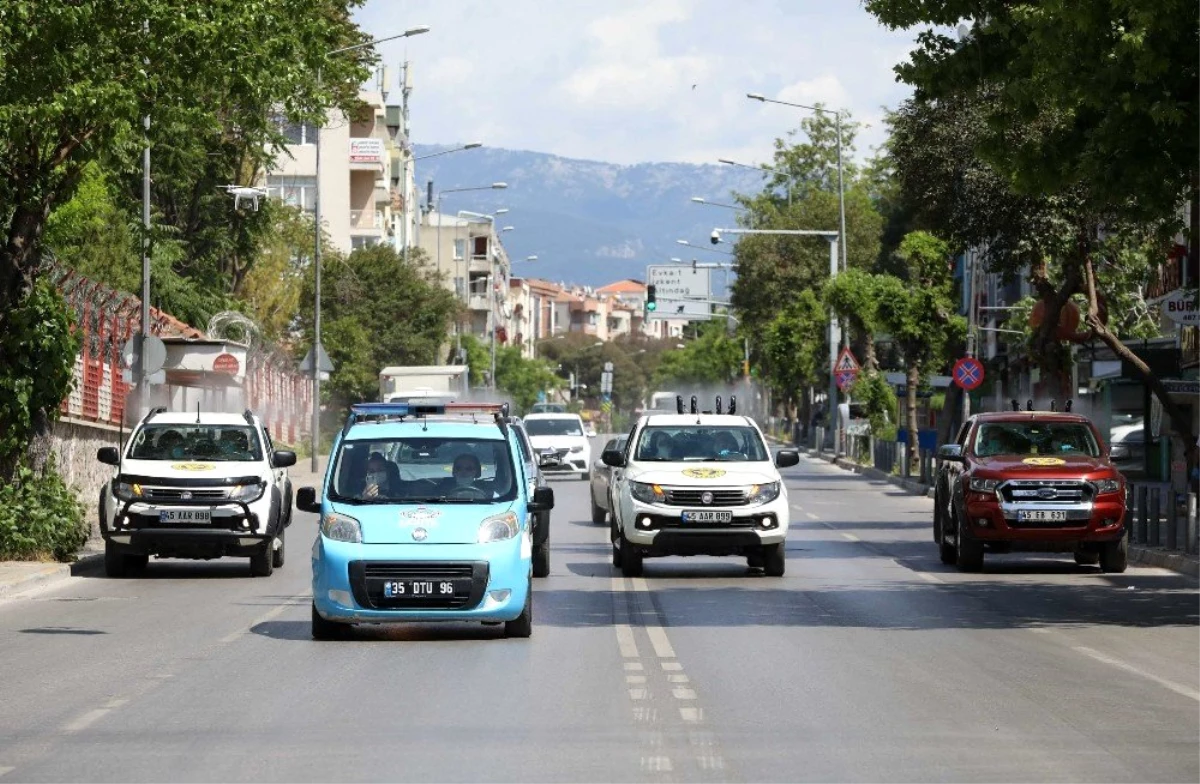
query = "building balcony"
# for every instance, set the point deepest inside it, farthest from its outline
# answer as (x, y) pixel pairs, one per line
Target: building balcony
(367, 222)
(480, 264)
(479, 301)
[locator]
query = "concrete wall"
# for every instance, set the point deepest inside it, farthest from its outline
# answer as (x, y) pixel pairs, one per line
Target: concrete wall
(75, 443)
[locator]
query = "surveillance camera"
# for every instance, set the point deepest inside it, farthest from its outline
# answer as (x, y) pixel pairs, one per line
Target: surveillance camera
(716, 236)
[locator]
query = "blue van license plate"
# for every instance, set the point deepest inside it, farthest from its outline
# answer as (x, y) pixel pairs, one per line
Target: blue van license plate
(419, 589)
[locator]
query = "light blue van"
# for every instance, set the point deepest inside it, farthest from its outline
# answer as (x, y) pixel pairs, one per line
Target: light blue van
(426, 515)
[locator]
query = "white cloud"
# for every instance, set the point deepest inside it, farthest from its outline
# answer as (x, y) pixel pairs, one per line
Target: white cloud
(615, 81)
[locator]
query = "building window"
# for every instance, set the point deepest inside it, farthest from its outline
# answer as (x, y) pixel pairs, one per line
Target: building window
(298, 192)
(460, 247)
(481, 247)
(300, 133)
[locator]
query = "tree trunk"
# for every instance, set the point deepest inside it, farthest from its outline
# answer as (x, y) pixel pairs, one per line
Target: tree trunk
(871, 362)
(1179, 421)
(912, 380)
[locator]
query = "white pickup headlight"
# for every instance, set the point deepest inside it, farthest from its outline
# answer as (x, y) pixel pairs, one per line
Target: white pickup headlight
(498, 528)
(762, 494)
(647, 493)
(340, 528)
(247, 493)
(127, 491)
(984, 485)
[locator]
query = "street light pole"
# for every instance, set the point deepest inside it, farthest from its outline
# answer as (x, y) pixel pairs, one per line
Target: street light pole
(404, 183)
(316, 349)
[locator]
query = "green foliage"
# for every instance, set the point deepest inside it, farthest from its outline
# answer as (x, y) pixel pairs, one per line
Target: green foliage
(479, 359)
(377, 311)
(795, 342)
(879, 399)
(270, 291)
(712, 358)
(40, 517)
(91, 234)
(579, 354)
(39, 349)
(522, 378)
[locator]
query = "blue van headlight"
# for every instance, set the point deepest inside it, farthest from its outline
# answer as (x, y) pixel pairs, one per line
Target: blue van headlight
(498, 528)
(340, 528)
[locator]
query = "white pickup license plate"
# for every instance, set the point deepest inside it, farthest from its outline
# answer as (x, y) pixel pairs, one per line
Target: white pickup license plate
(199, 516)
(1042, 516)
(707, 516)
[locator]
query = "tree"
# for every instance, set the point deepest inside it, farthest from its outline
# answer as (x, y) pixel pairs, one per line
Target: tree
(794, 343)
(523, 378)
(713, 358)
(918, 313)
(78, 78)
(854, 296)
(379, 311)
(270, 291)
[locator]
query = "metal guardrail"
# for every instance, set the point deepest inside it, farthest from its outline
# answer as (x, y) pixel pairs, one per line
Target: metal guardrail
(1159, 517)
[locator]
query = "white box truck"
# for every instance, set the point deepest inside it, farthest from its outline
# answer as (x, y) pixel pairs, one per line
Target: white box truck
(423, 383)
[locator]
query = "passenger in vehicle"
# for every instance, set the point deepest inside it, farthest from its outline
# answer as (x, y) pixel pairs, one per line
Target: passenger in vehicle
(378, 482)
(170, 444)
(235, 444)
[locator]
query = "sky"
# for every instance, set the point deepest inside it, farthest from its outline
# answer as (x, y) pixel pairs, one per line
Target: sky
(629, 81)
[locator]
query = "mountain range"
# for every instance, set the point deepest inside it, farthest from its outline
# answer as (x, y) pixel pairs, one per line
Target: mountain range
(588, 222)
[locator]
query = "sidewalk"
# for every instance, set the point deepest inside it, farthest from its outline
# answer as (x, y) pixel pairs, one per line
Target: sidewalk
(19, 576)
(1146, 556)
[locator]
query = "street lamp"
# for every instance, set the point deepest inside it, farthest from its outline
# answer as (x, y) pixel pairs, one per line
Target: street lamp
(531, 258)
(837, 113)
(832, 236)
(316, 354)
(404, 185)
(702, 200)
(437, 207)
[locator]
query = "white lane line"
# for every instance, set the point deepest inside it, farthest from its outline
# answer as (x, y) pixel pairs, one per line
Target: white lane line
(657, 764)
(267, 616)
(625, 639)
(634, 666)
(678, 677)
(631, 679)
(6, 769)
(811, 516)
(929, 578)
(672, 665)
(684, 693)
(851, 538)
(86, 720)
(638, 694)
(692, 715)
(658, 635)
(1100, 657)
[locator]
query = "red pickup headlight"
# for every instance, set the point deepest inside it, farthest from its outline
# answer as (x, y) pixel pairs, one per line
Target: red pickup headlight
(984, 485)
(1107, 486)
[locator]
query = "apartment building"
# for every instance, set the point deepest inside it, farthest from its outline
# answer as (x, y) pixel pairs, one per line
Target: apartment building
(355, 158)
(466, 253)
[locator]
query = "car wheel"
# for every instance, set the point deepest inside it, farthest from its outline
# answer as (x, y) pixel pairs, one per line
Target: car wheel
(136, 562)
(327, 630)
(599, 516)
(937, 518)
(968, 551)
(278, 556)
(774, 560)
(262, 563)
(116, 564)
(631, 559)
(946, 551)
(522, 625)
(755, 560)
(1114, 556)
(541, 560)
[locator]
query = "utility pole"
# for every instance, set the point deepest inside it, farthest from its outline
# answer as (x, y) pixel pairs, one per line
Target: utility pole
(143, 378)
(969, 263)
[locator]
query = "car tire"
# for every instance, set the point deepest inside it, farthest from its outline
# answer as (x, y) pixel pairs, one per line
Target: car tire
(599, 515)
(541, 560)
(755, 560)
(1087, 557)
(323, 629)
(116, 564)
(968, 552)
(1114, 556)
(262, 563)
(136, 562)
(631, 559)
(947, 552)
(278, 556)
(522, 626)
(774, 560)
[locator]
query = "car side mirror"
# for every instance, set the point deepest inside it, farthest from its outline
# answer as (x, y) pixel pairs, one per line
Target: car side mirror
(786, 458)
(306, 500)
(613, 458)
(283, 458)
(543, 500)
(951, 453)
(108, 455)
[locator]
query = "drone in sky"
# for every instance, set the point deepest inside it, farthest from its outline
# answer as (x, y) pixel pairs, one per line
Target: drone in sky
(245, 192)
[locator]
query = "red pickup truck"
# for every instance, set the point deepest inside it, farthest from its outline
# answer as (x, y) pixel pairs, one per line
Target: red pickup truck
(1029, 481)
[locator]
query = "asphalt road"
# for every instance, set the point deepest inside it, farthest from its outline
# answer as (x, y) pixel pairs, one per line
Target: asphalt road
(869, 661)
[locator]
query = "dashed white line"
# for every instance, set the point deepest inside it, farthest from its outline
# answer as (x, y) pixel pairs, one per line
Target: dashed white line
(657, 764)
(92, 716)
(635, 679)
(929, 578)
(684, 693)
(638, 694)
(672, 665)
(678, 677)
(6, 769)
(656, 633)
(692, 715)
(811, 516)
(851, 537)
(634, 666)
(1100, 657)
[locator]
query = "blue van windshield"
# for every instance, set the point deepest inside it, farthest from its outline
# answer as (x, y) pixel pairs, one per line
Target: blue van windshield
(423, 470)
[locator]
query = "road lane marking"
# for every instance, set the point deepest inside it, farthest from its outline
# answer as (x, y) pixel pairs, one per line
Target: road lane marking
(638, 694)
(625, 638)
(1100, 657)
(657, 764)
(6, 769)
(635, 679)
(851, 538)
(811, 516)
(634, 666)
(267, 616)
(692, 715)
(672, 665)
(654, 630)
(678, 677)
(929, 578)
(684, 693)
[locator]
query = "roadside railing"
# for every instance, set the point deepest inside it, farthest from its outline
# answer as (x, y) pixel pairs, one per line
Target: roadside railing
(1159, 517)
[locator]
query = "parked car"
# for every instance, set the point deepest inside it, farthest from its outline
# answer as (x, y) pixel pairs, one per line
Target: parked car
(197, 485)
(425, 516)
(1128, 449)
(601, 476)
(1029, 481)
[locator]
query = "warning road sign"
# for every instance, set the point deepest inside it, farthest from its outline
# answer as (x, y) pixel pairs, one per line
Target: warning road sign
(968, 373)
(846, 363)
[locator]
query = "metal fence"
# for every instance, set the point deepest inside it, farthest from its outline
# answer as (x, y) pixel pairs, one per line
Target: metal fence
(1157, 516)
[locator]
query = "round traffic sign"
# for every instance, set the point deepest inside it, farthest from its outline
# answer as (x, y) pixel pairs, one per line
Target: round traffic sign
(968, 373)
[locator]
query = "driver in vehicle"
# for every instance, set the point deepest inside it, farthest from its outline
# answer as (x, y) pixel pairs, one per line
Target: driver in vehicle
(378, 479)
(466, 470)
(725, 444)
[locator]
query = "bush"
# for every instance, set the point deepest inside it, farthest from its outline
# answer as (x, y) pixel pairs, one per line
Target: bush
(40, 517)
